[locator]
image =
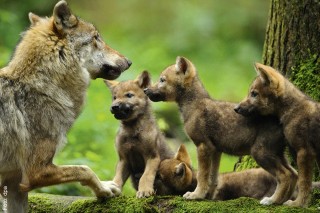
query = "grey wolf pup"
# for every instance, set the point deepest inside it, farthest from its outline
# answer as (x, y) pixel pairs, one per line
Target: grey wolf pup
(272, 94)
(139, 143)
(214, 128)
(43, 89)
(178, 174)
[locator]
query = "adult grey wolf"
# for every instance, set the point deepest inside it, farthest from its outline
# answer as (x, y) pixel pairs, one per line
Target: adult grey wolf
(42, 92)
(139, 142)
(214, 128)
(272, 94)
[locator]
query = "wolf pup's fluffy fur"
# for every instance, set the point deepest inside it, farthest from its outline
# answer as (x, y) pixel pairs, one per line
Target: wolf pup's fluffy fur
(214, 128)
(272, 94)
(139, 143)
(42, 91)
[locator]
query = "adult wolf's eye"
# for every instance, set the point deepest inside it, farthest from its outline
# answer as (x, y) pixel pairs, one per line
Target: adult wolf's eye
(114, 97)
(129, 95)
(253, 94)
(97, 37)
(162, 80)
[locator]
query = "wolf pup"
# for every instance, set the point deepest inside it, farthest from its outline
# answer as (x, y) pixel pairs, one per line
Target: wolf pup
(139, 142)
(272, 94)
(178, 174)
(214, 128)
(42, 93)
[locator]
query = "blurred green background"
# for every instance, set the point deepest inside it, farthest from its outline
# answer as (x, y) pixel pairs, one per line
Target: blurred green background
(222, 38)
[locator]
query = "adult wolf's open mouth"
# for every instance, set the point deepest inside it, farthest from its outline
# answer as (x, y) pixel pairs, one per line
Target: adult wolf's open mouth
(109, 72)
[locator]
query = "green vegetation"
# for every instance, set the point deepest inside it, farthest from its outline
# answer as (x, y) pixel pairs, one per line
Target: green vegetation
(166, 204)
(222, 38)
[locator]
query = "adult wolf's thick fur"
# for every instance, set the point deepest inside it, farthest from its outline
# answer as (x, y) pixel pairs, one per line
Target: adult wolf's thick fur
(273, 94)
(42, 91)
(214, 128)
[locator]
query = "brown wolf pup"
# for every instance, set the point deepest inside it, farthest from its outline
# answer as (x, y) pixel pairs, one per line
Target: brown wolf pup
(139, 142)
(178, 174)
(272, 94)
(214, 128)
(42, 93)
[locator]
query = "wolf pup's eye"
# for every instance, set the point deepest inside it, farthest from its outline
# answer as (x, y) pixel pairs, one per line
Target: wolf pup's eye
(129, 95)
(253, 94)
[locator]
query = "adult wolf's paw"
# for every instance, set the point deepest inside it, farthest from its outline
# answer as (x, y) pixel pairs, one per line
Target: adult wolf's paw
(294, 203)
(110, 189)
(147, 193)
(266, 201)
(193, 196)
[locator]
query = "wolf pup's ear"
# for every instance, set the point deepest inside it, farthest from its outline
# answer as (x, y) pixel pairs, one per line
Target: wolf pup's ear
(144, 80)
(62, 16)
(34, 19)
(184, 66)
(270, 77)
(183, 155)
(180, 169)
(110, 84)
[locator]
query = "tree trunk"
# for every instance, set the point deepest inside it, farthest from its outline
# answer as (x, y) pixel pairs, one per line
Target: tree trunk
(292, 46)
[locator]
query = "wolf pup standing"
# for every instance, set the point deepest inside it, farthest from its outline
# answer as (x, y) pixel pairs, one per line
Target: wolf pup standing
(42, 92)
(214, 128)
(272, 94)
(140, 144)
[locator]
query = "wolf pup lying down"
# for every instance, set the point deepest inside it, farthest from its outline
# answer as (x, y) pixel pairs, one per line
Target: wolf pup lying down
(139, 142)
(272, 94)
(214, 128)
(42, 92)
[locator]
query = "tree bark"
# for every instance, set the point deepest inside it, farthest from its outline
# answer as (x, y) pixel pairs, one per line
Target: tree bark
(292, 42)
(292, 46)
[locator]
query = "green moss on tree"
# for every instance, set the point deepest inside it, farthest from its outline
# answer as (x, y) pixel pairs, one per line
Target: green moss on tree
(306, 76)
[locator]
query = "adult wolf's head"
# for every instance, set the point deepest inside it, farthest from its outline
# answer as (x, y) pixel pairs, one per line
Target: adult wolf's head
(264, 92)
(99, 59)
(65, 40)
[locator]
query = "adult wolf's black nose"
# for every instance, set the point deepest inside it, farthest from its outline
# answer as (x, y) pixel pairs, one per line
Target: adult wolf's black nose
(129, 62)
(145, 90)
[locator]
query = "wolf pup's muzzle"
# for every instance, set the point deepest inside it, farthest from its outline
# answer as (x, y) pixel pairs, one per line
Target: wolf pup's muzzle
(154, 96)
(245, 111)
(121, 111)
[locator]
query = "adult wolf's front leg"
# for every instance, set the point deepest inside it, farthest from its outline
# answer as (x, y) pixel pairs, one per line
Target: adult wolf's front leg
(147, 179)
(204, 173)
(52, 174)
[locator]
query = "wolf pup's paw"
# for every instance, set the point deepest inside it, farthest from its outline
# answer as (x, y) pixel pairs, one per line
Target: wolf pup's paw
(193, 196)
(147, 193)
(266, 201)
(110, 189)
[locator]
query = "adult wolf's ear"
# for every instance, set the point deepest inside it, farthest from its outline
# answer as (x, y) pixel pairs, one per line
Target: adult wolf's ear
(183, 65)
(270, 77)
(144, 80)
(34, 19)
(62, 16)
(110, 84)
(183, 155)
